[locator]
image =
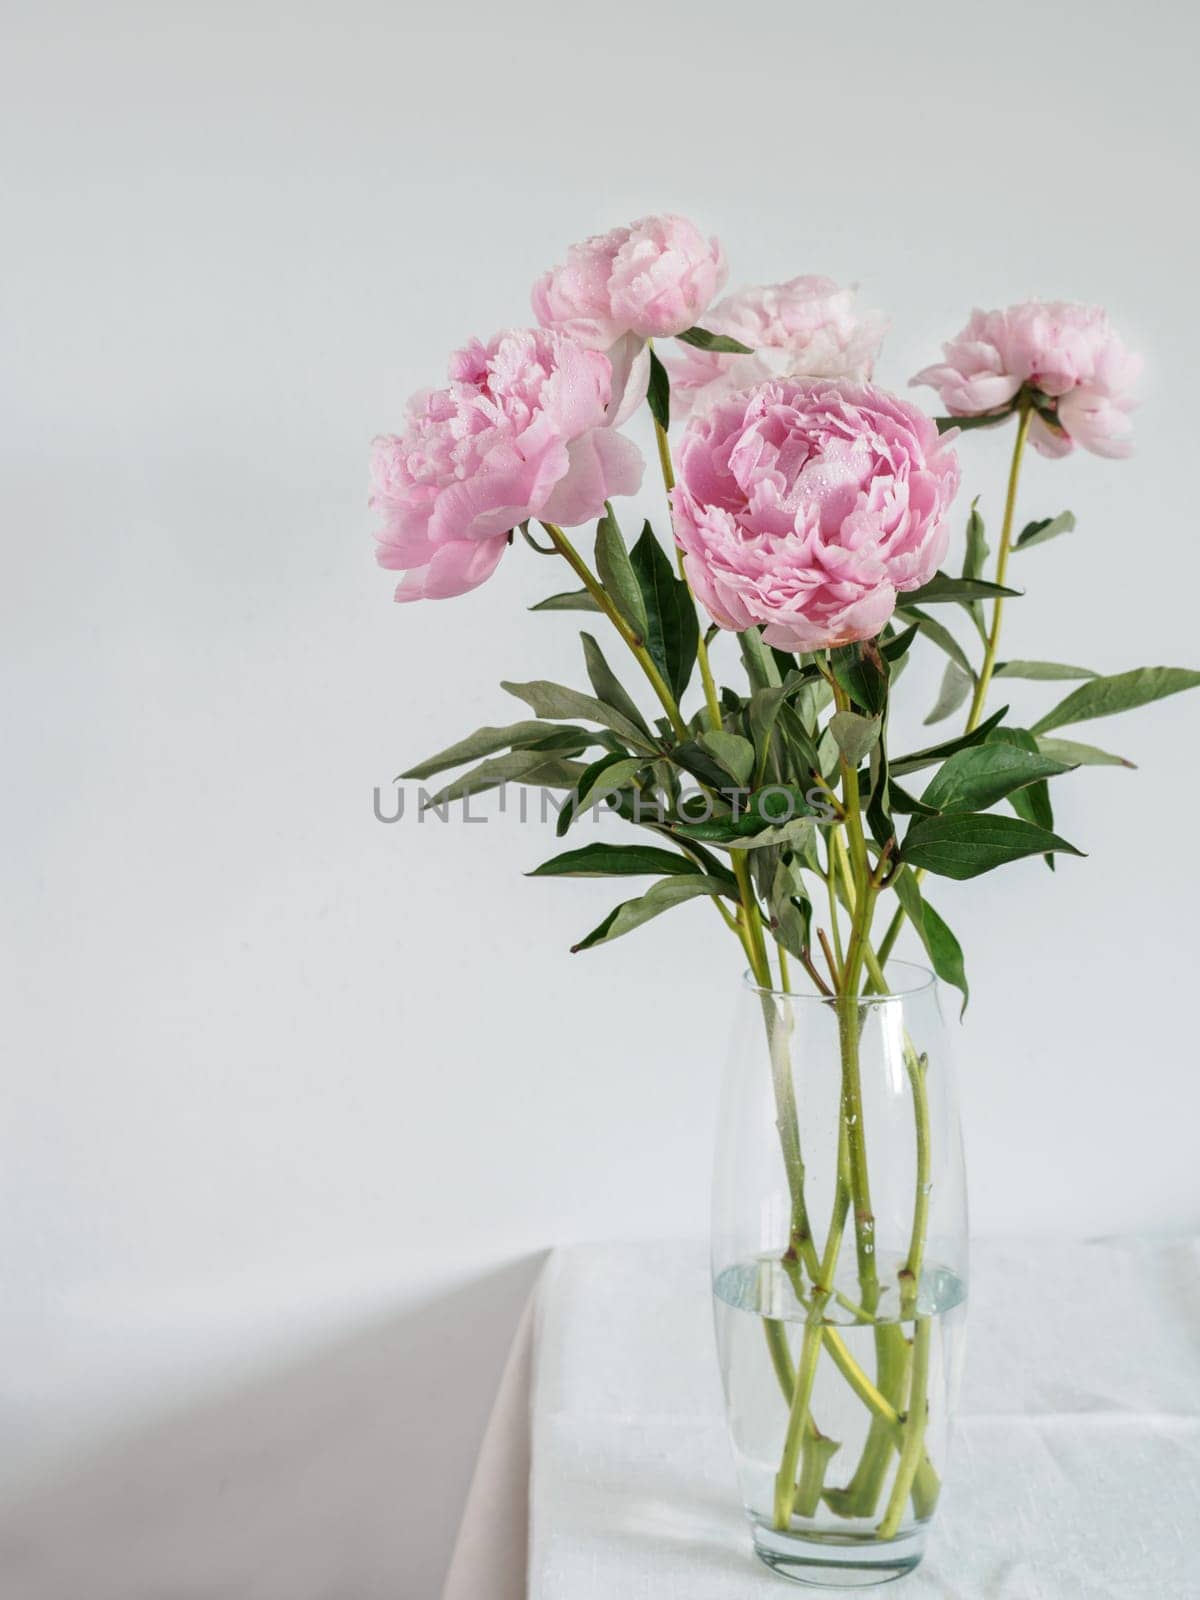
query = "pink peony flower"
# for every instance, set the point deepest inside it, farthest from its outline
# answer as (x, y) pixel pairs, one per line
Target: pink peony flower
(652, 279)
(805, 328)
(808, 505)
(522, 431)
(1067, 353)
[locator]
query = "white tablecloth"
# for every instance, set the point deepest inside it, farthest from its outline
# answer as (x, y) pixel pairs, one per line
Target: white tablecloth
(1076, 1466)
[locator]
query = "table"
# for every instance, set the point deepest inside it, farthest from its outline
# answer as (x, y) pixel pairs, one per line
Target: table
(606, 1473)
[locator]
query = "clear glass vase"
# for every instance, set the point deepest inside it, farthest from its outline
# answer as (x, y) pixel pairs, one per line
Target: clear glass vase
(839, 1273)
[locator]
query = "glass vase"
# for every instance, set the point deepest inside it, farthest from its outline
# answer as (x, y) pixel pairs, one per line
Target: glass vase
(839, 1253)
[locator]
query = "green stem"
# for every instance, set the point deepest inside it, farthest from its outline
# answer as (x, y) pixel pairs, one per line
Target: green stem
(810, 1348)
(978, 700)
(759, 964)
(600, 595)
(914, 1432)
(858, 1380)
(853, 1185)
(865, 892)
(1006, 532)
(910, 1276)
(898, 1362)
(925, 1484)
(775, 1332)
(815, 1456)
(816, 1451)
(833, 844)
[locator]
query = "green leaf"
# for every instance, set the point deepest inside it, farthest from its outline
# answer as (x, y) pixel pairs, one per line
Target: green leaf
(773, 815)
(879, 797)
(570, 600)
(761, 667)
(486, 741)
(863, 673)
(946, 954)
(614, 861)
(718, 343)
(777, 802)
(658, 393)
(732, 752)
(789, 906)
(798, 828)
(617, 575)
(975, 558)
(1033, 801)
(1047, 671)
(956, 686)
(964, 844)
(692, 758)
(941, 588)
(602, 778)
(672, 630)
(784, 661)
(856, 736)
(975, 778)
(662, 896)
(1048, 528)
(1080, 755)
(608, 686)
(896, 647)
(976, 554)
(965, 424)
(937, 633)
(557, 702)
(941, 946)
(934, 753)
(907, 805)
(1124, 691)
(812, 698)
(798, 740)
(761, 714)
(518, 766)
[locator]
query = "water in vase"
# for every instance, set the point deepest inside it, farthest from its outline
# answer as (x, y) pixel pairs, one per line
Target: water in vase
(847, 1458)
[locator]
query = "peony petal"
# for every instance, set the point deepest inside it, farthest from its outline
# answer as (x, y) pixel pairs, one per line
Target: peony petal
(601, 464)
(455, 568)
(630, 362)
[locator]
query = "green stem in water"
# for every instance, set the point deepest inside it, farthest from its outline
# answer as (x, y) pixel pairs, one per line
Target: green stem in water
(914, 1432)
(816, 1451)
(897, 1361)
(815, 1457)
(810, 1348)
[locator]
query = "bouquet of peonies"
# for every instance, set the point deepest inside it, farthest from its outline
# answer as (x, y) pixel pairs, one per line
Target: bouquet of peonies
(809, 517)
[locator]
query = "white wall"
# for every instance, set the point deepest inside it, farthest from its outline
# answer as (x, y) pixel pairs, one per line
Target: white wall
(274, 1072)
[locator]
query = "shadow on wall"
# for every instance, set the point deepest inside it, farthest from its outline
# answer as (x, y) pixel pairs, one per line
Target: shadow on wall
(339, 1478)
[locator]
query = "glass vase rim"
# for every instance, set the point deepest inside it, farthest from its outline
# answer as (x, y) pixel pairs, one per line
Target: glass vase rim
(920, 980)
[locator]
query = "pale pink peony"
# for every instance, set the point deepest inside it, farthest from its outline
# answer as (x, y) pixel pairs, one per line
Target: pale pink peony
(1067, 353)
(521, 431)
(808, 505)
(805, 328)
(652, 279)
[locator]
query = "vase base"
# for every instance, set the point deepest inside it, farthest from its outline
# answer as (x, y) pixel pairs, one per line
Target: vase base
(837, 1561)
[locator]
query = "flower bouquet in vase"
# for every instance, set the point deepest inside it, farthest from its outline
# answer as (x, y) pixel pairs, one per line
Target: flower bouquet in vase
(737, 724)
